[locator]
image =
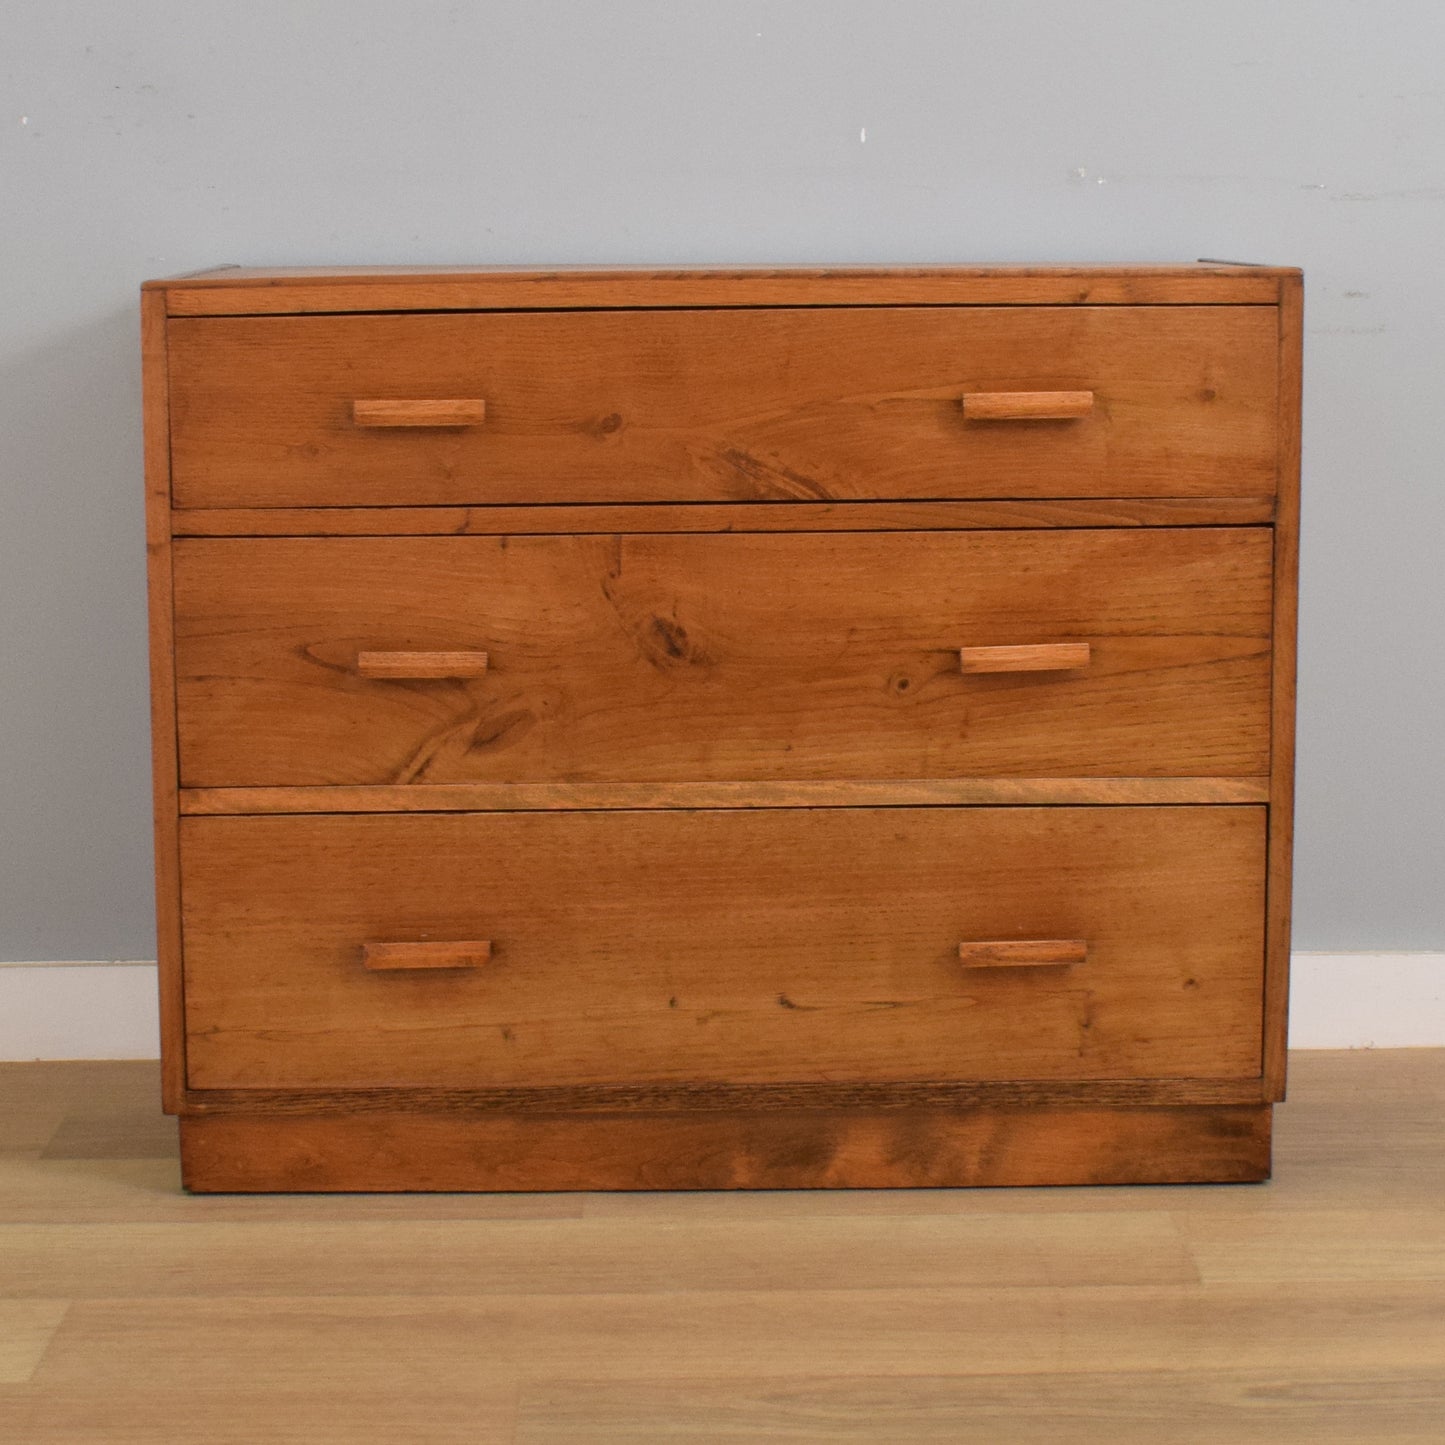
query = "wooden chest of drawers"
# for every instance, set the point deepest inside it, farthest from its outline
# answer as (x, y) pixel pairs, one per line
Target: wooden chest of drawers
(626, 729)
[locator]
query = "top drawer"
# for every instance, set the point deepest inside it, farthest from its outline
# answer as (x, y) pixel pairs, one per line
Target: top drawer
(822, 403)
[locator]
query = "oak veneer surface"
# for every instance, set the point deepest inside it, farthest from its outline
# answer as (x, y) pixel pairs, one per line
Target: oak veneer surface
(722, 517)
(748, 945)
(717, 814)
(845, 793)
(691, 658)
(164, 761)
(1282, 729)
(241, 290)
(831, 405)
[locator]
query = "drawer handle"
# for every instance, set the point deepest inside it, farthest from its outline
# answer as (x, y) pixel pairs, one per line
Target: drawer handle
(1032, 657)
(1024, 953)
(389, 957)
(454, 411)
(401, 665)
(1027, 405)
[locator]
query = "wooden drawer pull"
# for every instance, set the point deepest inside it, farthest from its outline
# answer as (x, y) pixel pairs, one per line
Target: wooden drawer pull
(386, 957)
(1024, 953)
(453, 411)
(402, 665)
(1032, 657)
(1027, 405)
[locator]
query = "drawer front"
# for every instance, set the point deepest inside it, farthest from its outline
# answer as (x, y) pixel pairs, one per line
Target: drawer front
(508, 949)
(652, 658)
(723, 405)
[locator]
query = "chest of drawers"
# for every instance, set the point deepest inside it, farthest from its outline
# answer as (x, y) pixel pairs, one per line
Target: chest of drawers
(634, 729)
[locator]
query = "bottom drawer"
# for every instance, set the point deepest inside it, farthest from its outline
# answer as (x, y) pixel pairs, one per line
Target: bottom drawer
(750, 946)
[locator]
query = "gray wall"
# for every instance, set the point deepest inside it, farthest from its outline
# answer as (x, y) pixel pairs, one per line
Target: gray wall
(150, 138)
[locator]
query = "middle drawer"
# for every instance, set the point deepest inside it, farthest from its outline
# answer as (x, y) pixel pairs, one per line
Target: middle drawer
(659, 658)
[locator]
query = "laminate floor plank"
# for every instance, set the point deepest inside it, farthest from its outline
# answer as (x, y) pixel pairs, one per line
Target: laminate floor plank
(35, 1190)
(360, 1408)
(1331, 1076)
(1374, 1150)
(1213, 1408)
(418, 1259)
(82, 1105)
(83, 1083)
(276, 1343)
(1334, 1244)
(1308, 1309)
(26, 1327)
(113, 1133)
(27, 1131)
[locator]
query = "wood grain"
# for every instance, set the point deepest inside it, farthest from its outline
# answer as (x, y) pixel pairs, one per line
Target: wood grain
(426, 1258)
(410, 666)
(241, 1153)
(164, 759)
(323, 1403)
(711, 1097)
(278, 1360)
(735, 947)
(148, 1191)
(845, 793)
(723, 517)
(1027, 405)
(1024, 953)
(1308, 1330)
(253, 290)
(1339, 1244)
(1030, 657)
(834, 404)
(1285, 626)
(1303, 1405)
(788, 680)
(393, 957)
(115, 1130)
(26, 1328)
(436, 412)
(723, 658)
(1361, 1132)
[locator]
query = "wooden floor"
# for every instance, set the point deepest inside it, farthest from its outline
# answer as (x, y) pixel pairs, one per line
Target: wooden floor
(1309, 1309)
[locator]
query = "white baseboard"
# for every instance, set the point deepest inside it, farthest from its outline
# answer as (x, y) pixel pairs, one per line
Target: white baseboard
(1367, 1001)
(108, 1010)
(104, 1010)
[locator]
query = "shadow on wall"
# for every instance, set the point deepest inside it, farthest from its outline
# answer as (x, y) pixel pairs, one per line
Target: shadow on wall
(75, 858)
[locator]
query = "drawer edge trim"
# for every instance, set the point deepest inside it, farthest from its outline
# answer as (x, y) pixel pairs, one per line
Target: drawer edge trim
(709, 1097)
(831, 793)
